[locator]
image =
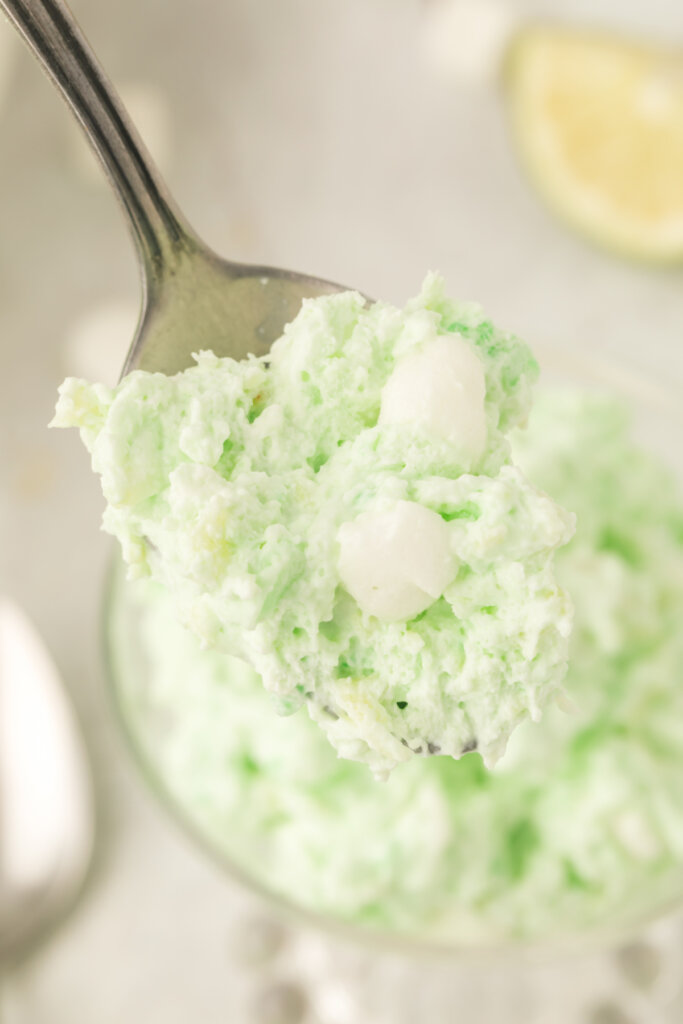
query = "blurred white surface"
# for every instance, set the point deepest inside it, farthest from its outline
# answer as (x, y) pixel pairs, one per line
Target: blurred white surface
(313, 135)
(486, 26)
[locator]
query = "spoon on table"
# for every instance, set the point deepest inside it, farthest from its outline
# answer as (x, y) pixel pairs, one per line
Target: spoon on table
(192, 299)
(46, 801)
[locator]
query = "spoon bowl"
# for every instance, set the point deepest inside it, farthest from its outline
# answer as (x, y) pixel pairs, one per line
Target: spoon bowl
(209, 303)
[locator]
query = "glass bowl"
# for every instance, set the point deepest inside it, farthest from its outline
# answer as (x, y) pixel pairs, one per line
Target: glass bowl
(657, 427)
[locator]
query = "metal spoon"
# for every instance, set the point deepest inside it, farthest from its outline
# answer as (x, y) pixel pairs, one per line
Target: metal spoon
(46, 800)
(191, 298)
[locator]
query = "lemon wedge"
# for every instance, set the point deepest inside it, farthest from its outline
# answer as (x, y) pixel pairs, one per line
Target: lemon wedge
(599, 123)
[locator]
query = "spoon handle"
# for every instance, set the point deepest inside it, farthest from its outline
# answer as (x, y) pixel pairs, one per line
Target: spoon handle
(159, 230)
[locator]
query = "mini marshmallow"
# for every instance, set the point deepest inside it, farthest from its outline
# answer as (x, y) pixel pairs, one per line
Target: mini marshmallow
(442, 387)
(396, 562)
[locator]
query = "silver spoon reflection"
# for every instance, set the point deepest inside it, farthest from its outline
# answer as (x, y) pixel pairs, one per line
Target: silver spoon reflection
(46, 801)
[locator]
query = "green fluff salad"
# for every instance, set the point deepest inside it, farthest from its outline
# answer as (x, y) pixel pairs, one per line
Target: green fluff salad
(345, 516)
